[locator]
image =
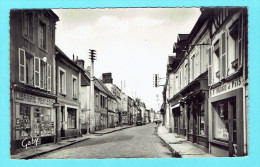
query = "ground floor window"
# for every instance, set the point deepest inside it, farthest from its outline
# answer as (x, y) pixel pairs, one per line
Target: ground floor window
(202, 120)
(71, 118)
(23, 122)
(47, 123)
(220, 120)
(33, 121)
(181, 120)
(190, 118)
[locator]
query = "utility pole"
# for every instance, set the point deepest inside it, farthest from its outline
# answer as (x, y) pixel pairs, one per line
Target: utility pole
(92, 96)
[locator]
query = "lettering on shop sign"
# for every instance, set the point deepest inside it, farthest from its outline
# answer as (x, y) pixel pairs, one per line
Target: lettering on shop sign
(228, 86)
(34, 99)
(28, 142)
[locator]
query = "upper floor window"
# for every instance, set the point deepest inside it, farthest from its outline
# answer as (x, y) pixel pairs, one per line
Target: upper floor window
(192, 67)
(33, 71)
(42, 35)
(180, 79)
(28, 25)
(74, 87)
(235, 43)
(62, 81)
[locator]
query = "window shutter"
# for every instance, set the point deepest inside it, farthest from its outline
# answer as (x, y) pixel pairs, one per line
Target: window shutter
(223, 57)
(48, 77)
(210, 66)
(22, 64)
(36, 72)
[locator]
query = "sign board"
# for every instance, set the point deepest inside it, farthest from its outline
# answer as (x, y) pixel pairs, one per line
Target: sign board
(33, 99)
(226, 87)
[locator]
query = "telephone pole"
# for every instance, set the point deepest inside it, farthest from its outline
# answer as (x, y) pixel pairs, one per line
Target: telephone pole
(92, 57)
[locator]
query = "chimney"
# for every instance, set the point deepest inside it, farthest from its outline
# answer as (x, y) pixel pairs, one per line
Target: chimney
(107, 78)
(80, 63)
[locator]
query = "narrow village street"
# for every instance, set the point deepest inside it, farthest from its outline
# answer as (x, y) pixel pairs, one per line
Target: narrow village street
(135, 142)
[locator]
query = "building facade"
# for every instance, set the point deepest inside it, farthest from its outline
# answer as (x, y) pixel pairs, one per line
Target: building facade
(207, 83)
(32, 93)
(68, 86)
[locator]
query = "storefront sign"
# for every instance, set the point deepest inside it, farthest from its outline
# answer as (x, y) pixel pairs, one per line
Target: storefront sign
(28, 142)
(226, 87)
(34, 99)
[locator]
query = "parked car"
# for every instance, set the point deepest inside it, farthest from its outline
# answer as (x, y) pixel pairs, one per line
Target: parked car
(138, 123)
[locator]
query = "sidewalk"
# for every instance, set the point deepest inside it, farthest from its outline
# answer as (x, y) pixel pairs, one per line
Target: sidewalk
(46, 148)
(181, 147)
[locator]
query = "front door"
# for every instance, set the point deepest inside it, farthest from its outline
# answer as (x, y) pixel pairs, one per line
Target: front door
(62, 121)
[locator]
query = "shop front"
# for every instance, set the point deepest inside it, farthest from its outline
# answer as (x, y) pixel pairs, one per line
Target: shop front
(34, 120)
(69, 121)
(226, 119)
(195, 111)
(197, 118)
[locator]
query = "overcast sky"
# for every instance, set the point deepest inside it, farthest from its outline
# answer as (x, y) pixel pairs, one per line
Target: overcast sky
(131, 43)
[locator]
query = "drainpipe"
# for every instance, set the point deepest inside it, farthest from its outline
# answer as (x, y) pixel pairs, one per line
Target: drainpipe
(56, 98)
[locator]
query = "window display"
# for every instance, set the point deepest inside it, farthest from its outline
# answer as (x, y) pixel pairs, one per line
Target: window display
(221, 121)
(190, 117)
(23, 123)
(71, 118)
(202, 121)
(47, 126)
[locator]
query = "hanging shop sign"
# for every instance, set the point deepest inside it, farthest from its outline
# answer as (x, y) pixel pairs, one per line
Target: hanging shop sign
(227, 87)
(33, 99)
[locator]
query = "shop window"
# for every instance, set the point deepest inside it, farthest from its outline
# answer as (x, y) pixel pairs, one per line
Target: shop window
(62, 81)
(28, 25)
(74, 87)
(71, 118)
(202, 121)
(42, 35)
(23, 123)
(181, 120)
(37, 122)
(47, 126)
(220, 121)
(190, 117)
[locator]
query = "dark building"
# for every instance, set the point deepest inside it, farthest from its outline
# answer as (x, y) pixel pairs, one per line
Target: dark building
(68, 79)
(32, 41)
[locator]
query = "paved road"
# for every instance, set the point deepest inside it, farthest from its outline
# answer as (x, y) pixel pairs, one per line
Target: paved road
(135, 142)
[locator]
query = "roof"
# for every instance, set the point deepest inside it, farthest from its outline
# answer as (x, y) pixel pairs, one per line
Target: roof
(183, 37)
(67, 58)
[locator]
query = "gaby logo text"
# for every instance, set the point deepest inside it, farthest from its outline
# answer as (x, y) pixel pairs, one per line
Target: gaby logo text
(28, 142)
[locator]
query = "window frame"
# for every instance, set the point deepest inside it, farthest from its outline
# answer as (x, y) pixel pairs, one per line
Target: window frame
(42, 42)
(74, 87)
(64, 82)
(27, 31)
(37, 72)
(48, 77)
(22, 66)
